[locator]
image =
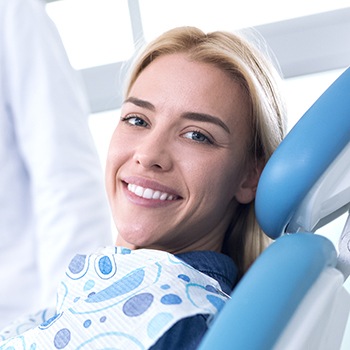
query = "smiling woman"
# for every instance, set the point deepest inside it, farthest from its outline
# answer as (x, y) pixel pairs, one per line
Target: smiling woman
(201, 116)
(182, 77)
(185, 136)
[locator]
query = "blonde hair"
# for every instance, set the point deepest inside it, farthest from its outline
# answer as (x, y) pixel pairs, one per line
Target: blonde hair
(258, 78)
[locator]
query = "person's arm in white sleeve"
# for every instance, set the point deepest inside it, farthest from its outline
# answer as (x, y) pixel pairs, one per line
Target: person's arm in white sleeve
(51, 117)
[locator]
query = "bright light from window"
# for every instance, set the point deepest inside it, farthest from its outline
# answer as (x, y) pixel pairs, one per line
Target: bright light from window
(301, 92)
(97, 32)
(94, 32)
(160, 15)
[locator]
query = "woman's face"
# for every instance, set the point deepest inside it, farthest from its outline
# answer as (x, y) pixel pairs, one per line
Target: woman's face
(176, 165)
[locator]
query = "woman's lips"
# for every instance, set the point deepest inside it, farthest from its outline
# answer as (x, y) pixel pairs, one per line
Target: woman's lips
(149, 193)
(149, 190)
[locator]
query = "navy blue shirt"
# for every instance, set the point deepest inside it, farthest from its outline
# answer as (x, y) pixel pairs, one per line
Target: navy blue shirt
(188, 333)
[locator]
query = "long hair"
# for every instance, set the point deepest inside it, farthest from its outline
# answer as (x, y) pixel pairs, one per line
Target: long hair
(258, 78)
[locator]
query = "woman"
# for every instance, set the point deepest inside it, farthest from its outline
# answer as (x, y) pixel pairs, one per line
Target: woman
(201, 117)
(253, 108)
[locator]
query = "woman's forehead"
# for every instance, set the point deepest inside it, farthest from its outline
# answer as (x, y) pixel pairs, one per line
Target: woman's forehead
(176, 79)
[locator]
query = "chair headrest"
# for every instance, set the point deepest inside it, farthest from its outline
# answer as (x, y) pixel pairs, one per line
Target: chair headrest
(303, 164)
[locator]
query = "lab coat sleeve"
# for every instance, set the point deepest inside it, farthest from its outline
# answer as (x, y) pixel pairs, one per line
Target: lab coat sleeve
(50, 113)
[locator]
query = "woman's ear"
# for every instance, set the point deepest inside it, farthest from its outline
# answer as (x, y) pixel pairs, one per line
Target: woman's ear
(247, 189)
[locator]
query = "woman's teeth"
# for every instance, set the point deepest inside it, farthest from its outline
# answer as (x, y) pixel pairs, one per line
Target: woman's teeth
(149, 193)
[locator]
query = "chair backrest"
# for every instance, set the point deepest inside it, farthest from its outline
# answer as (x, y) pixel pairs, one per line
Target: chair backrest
(304, 185)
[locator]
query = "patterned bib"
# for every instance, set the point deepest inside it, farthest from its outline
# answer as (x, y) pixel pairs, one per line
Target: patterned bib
(120, 299)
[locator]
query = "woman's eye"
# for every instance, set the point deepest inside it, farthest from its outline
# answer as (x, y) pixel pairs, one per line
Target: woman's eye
(197, 136)
(134, 120)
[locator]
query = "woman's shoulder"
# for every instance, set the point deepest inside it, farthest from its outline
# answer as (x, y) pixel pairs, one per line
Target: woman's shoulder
(186, 334)
(216, 265)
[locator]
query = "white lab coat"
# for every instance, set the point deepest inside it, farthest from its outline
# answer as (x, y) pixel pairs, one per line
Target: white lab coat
(52, 198)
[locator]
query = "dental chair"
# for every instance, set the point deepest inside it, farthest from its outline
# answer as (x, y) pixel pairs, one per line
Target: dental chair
(293, 296)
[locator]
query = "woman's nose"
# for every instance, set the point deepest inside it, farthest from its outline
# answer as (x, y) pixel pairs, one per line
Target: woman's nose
(154, 153)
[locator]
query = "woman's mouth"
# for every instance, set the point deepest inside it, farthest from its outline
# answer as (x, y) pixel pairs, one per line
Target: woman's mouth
(149, 193)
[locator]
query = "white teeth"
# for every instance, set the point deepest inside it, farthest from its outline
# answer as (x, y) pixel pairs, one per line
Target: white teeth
(163, 196)
(156, 195)
(149, 193)
(139, 191)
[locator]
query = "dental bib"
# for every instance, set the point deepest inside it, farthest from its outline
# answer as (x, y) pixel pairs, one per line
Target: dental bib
(120, 299)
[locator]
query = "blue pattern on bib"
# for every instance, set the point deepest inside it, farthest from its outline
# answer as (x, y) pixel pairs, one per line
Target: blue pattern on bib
(119, 298)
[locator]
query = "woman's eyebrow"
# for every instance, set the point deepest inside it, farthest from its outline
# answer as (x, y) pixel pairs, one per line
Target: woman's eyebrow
(201, 117)
(140, 103)
(207, 118)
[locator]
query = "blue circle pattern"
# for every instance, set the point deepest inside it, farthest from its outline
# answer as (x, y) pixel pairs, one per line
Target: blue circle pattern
(78, 267)
(171, 299)
(77, 264)
(62, 338)
(105, 265)
(184, 277)
(138, 304)
(133, 292)
(87, 323)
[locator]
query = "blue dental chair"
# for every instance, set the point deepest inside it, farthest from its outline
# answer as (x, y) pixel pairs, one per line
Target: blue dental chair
(293, 297)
